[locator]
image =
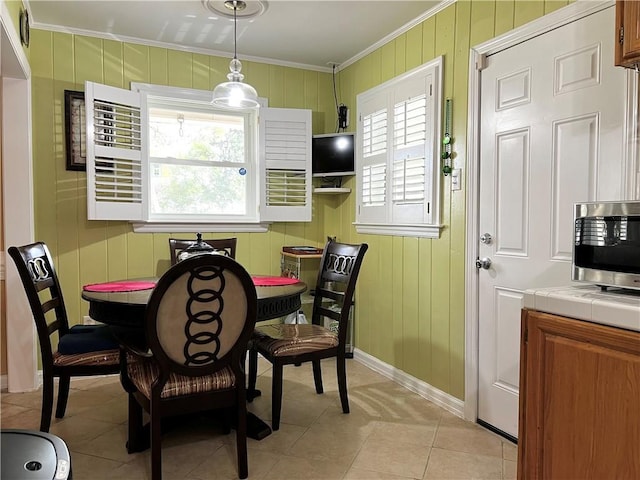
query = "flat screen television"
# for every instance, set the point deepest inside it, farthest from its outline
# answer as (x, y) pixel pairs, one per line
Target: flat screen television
(333, 155)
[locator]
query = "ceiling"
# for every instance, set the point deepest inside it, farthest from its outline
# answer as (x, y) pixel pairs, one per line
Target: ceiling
(306, 33)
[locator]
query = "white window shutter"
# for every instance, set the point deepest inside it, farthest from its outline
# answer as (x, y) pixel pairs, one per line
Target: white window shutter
(114, 161)
(285, 165)
(411, 157)
(373, 175)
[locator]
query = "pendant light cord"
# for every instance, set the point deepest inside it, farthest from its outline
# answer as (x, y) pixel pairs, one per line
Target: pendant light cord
(235, 29)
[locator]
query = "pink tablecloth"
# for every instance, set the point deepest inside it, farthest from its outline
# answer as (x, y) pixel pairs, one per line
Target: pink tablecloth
(272, 281)
(123, 286)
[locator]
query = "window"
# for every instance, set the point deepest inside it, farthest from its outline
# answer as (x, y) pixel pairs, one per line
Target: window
(165, 158)
(398, 155)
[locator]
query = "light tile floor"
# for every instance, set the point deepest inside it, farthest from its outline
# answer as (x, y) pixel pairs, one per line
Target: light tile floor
(391, 433)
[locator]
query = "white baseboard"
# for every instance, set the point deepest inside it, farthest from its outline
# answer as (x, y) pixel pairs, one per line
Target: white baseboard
(440, 398)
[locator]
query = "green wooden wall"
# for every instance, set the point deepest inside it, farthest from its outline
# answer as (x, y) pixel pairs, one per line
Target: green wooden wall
(410, 300)
(410, 304)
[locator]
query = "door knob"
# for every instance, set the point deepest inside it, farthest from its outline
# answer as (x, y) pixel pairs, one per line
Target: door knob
(486, 238)
(484, 263)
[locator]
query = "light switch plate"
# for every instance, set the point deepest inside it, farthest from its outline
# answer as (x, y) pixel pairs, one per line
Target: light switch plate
(456, 178)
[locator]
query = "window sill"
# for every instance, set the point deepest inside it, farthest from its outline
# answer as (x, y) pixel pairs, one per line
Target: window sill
(426, 231)
(150, 227)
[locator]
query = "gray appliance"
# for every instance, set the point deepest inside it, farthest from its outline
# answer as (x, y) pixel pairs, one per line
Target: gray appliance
(30, 454)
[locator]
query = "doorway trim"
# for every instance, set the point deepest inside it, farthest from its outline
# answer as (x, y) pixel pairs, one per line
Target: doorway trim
(17, 191)
(477, 56)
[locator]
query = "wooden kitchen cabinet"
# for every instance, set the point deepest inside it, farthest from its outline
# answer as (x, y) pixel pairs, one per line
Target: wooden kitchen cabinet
(627, 33)
(579, 400)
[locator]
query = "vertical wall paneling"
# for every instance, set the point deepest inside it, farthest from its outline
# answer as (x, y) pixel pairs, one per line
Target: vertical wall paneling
(414, 47)
(180, 68)
(410, 302)
(400, 55)
(276, 87)
(425, 358)
(200, 73)
(154, 65)
(458, 200)
(395, 326)
(484, 14)
(256, 75)
(527, 10)
(294, 88)
(113, 64)
(86, 240)
(428, 39)
(503, 18)
(440, 291)
(65, 183)
(44, 168)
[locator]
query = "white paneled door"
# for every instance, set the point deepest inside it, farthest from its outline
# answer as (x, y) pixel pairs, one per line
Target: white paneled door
(552, 114)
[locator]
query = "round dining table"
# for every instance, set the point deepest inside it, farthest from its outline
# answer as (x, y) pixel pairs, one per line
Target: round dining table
(126, 308)
(125, 312)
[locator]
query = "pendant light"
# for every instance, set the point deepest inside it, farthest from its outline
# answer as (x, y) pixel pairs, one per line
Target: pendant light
(235, 93)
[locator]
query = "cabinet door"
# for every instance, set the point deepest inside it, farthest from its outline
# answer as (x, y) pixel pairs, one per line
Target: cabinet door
(628, 30)
(580, 400)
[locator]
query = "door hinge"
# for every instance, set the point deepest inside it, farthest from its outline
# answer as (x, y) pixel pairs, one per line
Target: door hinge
(621, 36)
(431, 89)
(526, 335)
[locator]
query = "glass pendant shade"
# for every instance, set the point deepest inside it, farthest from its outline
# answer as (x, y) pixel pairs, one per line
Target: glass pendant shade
(235, 93)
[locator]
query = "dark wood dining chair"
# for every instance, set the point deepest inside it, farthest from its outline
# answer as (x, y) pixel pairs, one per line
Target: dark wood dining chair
(81, 350)
(198, 322)
(227, 245)
(293, 344)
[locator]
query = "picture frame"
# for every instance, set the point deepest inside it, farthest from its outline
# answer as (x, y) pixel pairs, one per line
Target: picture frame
(75, 130)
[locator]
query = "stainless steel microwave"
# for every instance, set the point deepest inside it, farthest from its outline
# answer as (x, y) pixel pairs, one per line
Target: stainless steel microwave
(606, 250)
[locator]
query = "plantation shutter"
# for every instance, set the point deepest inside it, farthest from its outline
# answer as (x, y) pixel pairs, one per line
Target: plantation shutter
(285, 163)
(411, 161)
(373, 171)
(114, 161)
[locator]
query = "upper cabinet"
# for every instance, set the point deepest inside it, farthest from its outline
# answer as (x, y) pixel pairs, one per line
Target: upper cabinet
(628, 33)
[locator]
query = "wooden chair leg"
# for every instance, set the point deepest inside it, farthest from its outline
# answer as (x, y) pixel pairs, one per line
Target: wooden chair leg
(47, 403)
(317, 376)
(342, 383)
(276, 396)
(241, 439)
(135, 442)
(156, 445)
(253, 374)
(63, 395)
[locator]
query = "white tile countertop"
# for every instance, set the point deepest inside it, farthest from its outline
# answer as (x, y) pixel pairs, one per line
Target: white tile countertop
(616, 307)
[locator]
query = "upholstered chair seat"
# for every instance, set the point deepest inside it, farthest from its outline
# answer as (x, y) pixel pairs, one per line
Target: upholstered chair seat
(103, 357)
(143, 373)
(290, 339)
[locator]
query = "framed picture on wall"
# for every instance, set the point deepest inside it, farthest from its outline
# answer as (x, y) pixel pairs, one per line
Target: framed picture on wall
(75, 134)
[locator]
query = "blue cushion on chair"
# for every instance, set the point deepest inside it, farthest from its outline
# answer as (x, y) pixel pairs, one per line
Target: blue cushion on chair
(84, 328)
(99, 338)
